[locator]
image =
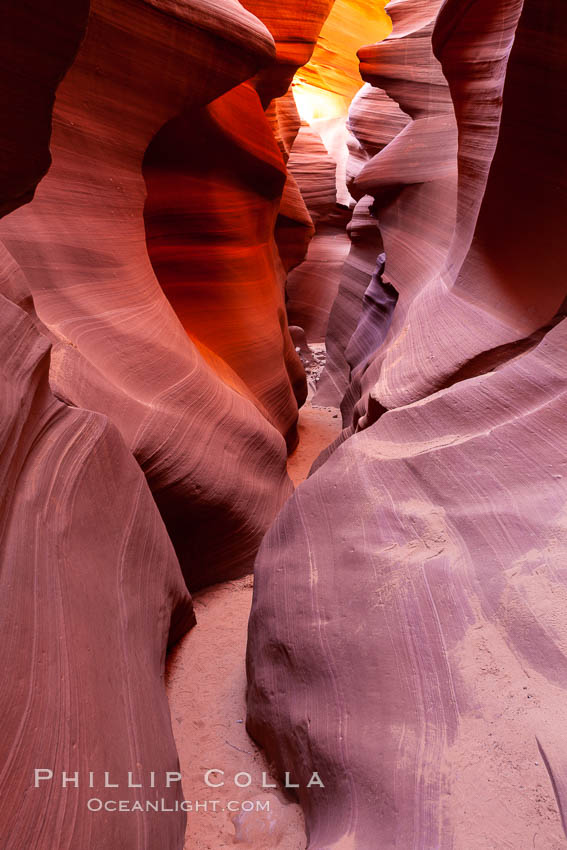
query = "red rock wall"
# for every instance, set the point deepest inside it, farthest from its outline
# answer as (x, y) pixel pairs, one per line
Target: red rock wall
(119, 346)
(323, 89)
(98, 373)
(407, 639)
(310, 287)
(215, 180)
(368, 138)
(91, 587)
(411, 174)
(294, 226)
(92, 594)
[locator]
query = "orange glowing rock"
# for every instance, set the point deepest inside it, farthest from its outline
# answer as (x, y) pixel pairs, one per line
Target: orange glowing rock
(325, 86)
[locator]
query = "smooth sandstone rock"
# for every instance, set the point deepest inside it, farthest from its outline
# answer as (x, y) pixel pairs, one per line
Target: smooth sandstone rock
(407, 639)
(92, 595)
(120, 348)
(215, 178)
(294, 226)
(413, 178)
(215, 183)
(481, 304)
(323, 89)
(369, 137)
(91, 588)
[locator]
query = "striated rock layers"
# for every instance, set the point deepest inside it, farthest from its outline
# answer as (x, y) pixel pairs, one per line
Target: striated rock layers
(408, 636)
(410, 177)
(110, 405)
(368, 138)
(215, 180)
(92, 594)
(294, 226)
(215, 177)
(199, 406)
(91, 588)
(311, 287)
(323, 90)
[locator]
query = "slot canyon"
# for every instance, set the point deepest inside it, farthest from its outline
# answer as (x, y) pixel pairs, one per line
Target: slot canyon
(283, 467)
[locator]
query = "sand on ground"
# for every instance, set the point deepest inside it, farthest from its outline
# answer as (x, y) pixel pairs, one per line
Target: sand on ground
(206, 686)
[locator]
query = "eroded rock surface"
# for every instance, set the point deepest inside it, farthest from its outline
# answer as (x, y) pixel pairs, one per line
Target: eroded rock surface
(406, 163)
(406, 638)
(407, 641)
(323, 90)
(92, 595)
(110, 406)
(119, 346)
(312, 286)
(91, 588)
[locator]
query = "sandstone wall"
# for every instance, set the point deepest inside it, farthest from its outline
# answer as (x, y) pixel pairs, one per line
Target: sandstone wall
(407, 639)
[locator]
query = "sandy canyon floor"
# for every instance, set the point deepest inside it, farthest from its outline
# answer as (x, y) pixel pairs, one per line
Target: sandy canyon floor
(206, 684)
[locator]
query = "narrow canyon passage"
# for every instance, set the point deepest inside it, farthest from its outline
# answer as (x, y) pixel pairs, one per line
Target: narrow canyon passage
(206, 688)
(209, 716)
(283, 460)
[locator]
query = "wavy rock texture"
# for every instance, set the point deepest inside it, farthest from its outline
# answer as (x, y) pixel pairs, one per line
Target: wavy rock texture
(92, 594)
(312, 286)
(446, 542)
(368, 138)
(323, 90)
(295, 29)
(91, 585)
(314, 171)
(407, 638)
(215, 180)
(490, 303)
(413, 178)
(294, 226)
(120, 348)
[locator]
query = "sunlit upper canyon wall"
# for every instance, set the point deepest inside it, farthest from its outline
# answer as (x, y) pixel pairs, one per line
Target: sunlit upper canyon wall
(181, 181)
(323, 90)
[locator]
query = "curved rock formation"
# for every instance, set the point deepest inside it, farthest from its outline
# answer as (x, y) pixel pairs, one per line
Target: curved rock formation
(323, 90)
(332, 72)
(369, 137)
(294, 226)
(215, 180)
(407, 638)
(422, 653)
(480, 319)
(408, 644)
(91, 585)
(310, 287)
(92, 590)
(412, 177)
(120, 348)
(295, 29)
(92, 594)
